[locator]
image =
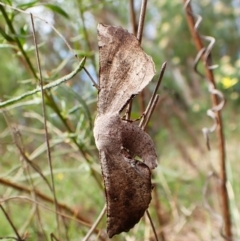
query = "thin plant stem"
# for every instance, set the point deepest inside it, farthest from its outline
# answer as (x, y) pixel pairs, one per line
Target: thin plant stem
(11, 223)
(91, 78)
(151, 109)
(145, 114)
(99, 218)
(45, 125)
(133, 17)
(153, 228)
(141, 20)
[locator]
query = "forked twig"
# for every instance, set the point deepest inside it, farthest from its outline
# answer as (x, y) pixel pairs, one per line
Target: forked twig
(143, 121)
(45, 124)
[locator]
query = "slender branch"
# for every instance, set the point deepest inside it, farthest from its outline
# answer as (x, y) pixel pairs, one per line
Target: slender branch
(133, 17)
(141, 20)
(153, 228)
(91, 78)
(11, 223)
(146, 112)
(45, 87)
(49, 157)
(95, 224)
(151, 109)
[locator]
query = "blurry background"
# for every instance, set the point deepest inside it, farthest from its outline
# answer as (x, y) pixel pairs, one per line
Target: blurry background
(183, 184)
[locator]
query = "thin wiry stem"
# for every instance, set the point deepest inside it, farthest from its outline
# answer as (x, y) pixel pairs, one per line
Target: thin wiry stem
(133, 17)
(45, 125)
(151, 109)
(91, 230)
(141, 20)
(143, 125)
(146, 112)
(91, 78)
(153, 228)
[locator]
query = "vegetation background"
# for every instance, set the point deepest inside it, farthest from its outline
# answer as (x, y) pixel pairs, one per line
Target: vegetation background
(186, 203)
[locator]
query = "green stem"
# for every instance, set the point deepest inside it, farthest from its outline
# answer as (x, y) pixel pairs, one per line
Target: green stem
(45, 87)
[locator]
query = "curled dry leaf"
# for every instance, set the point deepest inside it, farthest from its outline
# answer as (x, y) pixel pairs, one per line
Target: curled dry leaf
(124, 71)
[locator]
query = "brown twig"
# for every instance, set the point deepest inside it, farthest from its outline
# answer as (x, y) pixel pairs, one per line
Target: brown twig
(215, 101)
(148, 113)
(91, 230)
(141, 20)
(143, 121)
(153, 228)
(133, 17)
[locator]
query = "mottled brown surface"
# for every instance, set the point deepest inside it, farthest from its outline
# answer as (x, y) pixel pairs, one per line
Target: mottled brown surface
(124, 71)
(128, 191)
(124, 68)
